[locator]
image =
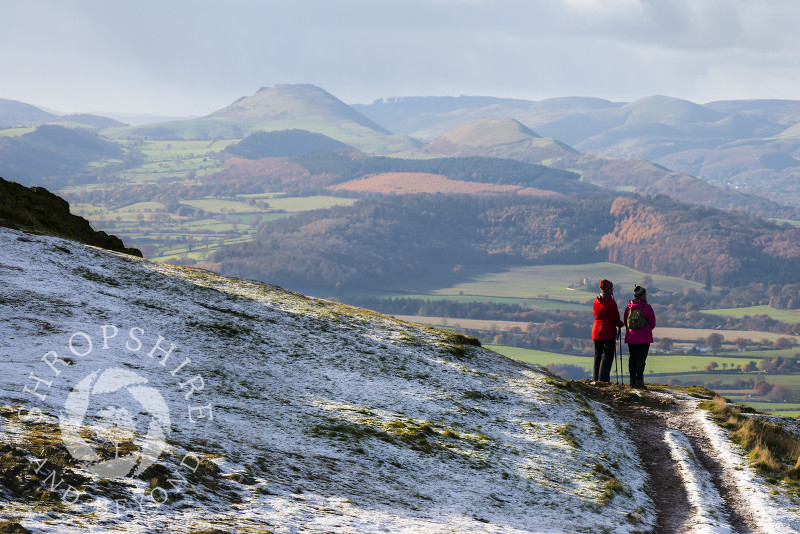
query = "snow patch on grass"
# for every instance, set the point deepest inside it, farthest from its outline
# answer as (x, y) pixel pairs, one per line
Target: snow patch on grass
(772, 511)
(708, 514)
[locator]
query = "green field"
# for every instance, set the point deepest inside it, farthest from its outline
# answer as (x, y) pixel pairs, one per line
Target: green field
(656, 363)
(543, 358)
(295, 204)
(15, 132)
(662, 368)
(730, 378)
(785, 316)
(793, 222)
(785, 409)
(540, 303)
(139, 207)
(559, 282)
(172, 159)
(174, 150)
(164, 236)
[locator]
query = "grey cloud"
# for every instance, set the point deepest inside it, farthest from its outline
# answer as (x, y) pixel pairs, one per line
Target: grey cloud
(194, 56)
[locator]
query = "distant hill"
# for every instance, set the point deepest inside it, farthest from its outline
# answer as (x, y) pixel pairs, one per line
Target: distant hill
(750, 146)
(510, 139)
(38, 210)
(85, 120)
(411, 114)
(399, 242)
(506, 138)
(283, 107)
(427, 118)
(283, 143)
(773, 111)
(54, 156)
(297, 102)
(14, 113)
(402, 243)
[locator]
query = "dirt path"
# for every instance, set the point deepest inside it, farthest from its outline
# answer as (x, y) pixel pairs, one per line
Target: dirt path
(659, 420)
(672, 504)
(685, 418)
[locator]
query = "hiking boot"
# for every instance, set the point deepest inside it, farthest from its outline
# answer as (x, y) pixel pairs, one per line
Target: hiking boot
(640, 384)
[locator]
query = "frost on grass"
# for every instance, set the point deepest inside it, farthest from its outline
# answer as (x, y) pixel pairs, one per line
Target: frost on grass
(708, 514)
(286, 412)
(769, 505)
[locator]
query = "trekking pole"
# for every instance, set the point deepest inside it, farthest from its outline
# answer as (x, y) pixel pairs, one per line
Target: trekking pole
(620, 355)
(616, 369)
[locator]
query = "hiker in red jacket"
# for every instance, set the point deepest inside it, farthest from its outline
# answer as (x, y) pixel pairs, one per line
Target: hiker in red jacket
(605, 330)
(639, 323)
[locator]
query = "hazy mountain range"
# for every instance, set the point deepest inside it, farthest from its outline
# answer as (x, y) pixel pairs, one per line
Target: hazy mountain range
(750, 145)
(653, 145)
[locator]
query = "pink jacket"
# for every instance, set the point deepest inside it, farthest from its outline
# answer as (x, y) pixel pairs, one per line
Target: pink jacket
(644, 335)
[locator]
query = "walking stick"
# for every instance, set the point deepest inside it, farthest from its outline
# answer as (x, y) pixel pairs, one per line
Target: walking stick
(620, 354)
(616, 369)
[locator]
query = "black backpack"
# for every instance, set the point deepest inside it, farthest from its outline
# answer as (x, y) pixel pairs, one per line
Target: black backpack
(636, 320)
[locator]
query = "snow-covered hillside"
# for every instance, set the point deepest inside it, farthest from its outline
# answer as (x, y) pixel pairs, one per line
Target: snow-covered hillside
(148, 398)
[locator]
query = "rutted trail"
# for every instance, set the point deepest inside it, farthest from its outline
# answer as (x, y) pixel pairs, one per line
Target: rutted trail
(700, 480)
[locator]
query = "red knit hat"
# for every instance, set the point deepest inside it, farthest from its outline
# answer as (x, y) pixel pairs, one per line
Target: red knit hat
(605, 285)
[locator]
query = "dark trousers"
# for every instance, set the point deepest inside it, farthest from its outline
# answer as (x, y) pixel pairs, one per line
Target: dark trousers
(638, 355)
(603, 358)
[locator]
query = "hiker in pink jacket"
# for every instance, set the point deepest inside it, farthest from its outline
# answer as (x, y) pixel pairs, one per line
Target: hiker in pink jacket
(639, 321)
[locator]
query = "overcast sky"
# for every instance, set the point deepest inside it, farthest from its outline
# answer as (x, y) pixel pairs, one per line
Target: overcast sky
(192, 57)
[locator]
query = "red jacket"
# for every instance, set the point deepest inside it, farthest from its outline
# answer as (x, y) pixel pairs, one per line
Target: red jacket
(606, 319)
(643, 335)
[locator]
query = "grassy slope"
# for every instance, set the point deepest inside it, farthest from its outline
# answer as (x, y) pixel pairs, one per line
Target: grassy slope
(324, 415)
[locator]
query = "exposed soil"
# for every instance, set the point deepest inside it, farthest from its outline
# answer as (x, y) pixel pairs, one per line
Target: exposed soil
(669, 495)
(683, 417)
(650, 414)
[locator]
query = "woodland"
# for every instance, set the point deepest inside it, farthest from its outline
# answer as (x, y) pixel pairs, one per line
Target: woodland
(384, 242)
